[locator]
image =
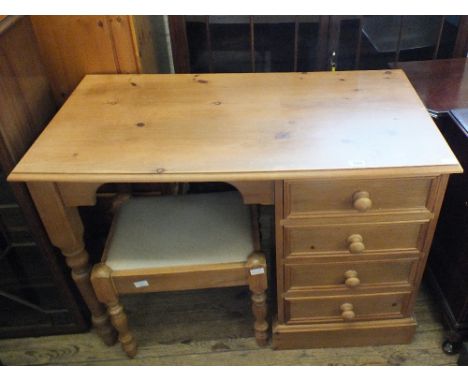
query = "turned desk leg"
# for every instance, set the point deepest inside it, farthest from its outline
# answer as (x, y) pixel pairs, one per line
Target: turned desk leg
(256, 264)
(65, 230)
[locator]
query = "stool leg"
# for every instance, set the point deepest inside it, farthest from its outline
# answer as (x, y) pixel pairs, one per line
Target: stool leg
(106, 293)
(120, 322)
(257, 279)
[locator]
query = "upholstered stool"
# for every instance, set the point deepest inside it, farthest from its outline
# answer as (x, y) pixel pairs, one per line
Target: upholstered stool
(175, 243)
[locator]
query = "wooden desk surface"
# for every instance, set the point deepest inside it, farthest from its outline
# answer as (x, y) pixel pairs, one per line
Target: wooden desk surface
(237, 127)
(441, 84)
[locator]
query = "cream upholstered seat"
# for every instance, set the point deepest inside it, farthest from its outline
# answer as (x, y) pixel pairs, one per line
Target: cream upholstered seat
(180, 230)
(181, 242)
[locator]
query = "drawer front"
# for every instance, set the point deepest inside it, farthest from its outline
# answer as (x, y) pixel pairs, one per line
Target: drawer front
(350, 275)
(352, 238)
(345, 308)
(304, 198)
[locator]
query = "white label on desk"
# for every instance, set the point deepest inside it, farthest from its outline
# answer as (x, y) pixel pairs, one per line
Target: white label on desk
(357, 163)
(141, 284)
(257, 271)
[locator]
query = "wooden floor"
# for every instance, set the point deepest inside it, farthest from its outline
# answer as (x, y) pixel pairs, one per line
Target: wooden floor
(215, 328)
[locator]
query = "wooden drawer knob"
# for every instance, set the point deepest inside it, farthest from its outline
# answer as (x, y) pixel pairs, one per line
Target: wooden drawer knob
(351, 279)
(362, 201)
(355, 243)
(347, 311)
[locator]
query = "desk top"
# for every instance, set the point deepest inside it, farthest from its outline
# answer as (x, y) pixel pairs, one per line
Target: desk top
(441, 84)
(226, 127)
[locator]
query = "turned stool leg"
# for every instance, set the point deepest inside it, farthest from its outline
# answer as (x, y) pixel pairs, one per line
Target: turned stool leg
(80, 271)
(120, 322)
(257, 278)
(106, 293)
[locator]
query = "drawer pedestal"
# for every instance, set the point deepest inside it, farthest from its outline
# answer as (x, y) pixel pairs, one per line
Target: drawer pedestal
(350, 254)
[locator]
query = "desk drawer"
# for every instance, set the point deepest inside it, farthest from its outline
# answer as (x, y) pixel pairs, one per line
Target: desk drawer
(346, 308)
(351, 238)
(350, 275)
(306, 198)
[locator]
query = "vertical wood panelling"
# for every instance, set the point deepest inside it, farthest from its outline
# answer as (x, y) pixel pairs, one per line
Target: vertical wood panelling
(359, 43)
(296, 43)
(143, 34)
(400, 30)
(208, 44)
(122, 43)
(252, 43)
(27, 102)
(439, 37)
(72, 46)
(322, 43)
(179, 42)
(461, 43)
(334, 38)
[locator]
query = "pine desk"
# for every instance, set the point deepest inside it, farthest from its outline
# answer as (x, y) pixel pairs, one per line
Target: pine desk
(352, 162)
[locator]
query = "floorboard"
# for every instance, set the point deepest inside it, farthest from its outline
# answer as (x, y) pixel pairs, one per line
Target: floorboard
(214, 327)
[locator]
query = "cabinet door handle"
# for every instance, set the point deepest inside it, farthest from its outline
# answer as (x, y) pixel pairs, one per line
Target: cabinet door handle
(347, 311)
(355, 243)
(351, 279)
(362, 201)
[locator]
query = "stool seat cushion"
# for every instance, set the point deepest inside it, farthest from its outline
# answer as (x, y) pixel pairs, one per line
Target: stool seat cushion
(168, 231)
